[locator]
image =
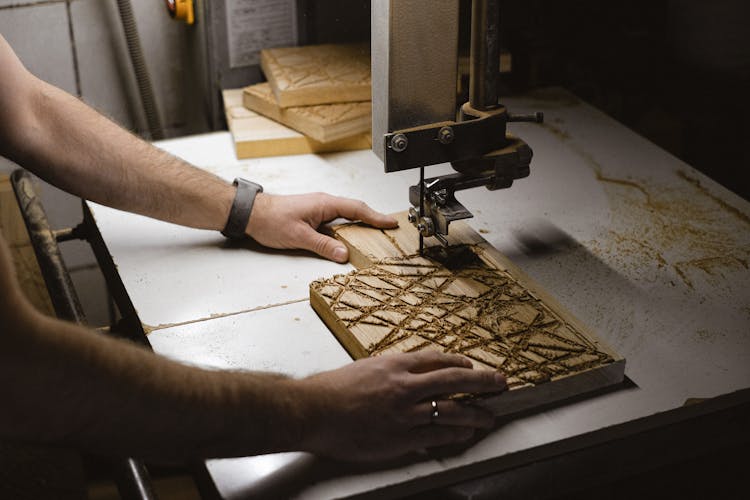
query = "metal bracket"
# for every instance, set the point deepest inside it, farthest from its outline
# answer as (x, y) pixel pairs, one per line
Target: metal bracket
(496, 170)
(445, 141)
(440, 204)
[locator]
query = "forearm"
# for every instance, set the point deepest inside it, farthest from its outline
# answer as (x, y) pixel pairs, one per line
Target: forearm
(75, 387)
(75, 148)
(65, 385)
(61, 384)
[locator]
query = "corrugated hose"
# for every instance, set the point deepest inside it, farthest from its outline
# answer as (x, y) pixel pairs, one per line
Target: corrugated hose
(140, 70)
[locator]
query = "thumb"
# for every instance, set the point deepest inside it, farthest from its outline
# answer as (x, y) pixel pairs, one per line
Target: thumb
(323, 245)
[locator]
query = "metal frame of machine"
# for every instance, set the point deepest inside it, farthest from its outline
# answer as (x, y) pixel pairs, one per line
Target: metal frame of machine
(414, 54)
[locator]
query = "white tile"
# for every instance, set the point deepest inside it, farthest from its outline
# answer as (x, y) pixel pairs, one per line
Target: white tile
(39, 35)
(287, 339)
(176, 274)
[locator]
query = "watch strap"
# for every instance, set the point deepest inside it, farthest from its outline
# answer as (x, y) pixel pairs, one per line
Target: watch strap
(239, 215)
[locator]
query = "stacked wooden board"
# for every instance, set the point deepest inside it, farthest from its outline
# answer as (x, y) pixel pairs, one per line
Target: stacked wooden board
(256, 136)
(317, 99)
(318, 74)
(323, 122)
(467, 299)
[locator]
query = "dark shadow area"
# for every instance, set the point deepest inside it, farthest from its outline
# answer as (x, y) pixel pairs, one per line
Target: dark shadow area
(676, 72)
(588, 287)
(702, 456)
(713, 475)
(253, 246)
(626, 385)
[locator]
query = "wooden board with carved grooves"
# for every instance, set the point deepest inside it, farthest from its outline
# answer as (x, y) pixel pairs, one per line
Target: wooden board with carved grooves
(256, 136)
(324, 122)
(318, 74)
(469, 300)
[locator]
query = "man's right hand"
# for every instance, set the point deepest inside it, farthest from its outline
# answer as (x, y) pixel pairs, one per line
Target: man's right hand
(380, 408)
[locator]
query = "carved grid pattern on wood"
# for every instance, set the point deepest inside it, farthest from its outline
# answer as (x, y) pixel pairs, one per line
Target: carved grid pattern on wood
(318, 74)
(336, 113)
(325, 114)
(324, 65)
(414, 303)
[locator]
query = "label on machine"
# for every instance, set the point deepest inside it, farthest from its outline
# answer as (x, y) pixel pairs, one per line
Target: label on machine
(253, 25)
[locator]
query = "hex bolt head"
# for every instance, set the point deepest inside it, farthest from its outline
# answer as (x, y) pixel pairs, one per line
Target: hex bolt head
(426, 227)
(446, 135)
(399, 143)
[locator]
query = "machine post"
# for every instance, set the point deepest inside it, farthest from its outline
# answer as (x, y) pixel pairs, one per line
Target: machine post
(485, 54)
(414, 54)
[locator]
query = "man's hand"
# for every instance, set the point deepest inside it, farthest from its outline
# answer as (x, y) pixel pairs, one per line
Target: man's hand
(379, 408)
(292, 221)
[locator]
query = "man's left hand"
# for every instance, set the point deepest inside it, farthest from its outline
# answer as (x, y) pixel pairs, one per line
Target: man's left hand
(292, 221)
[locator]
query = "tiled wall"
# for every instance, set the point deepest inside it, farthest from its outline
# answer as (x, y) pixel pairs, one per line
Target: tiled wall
(79, 46)
(51, 36)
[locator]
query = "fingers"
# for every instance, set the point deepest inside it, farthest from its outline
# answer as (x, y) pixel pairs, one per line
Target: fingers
(325, 246)
(436, 373)
(457, 380)
(454, 423)
(429, 360)
(359, 210)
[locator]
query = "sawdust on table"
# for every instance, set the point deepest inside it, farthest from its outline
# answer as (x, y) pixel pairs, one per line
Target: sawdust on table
(687, 232)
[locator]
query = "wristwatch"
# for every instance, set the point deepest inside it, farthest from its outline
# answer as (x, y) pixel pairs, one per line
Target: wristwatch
(242, 205)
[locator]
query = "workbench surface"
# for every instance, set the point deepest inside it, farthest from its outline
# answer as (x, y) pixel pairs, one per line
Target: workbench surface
(648, 252)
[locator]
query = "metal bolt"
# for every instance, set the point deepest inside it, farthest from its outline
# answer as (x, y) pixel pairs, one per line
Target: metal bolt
(399, 142)
(537, 117)
(426, 227)
(445, 135)
(412, 215)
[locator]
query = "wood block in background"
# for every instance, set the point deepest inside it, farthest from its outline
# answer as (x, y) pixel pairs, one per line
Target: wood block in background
(318, 74)
(256, 136)
(324, 122)
(11, 224)
(14, 233)
(472, 301)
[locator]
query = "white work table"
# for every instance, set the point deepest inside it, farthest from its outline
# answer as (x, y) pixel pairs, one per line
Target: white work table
(651, 254)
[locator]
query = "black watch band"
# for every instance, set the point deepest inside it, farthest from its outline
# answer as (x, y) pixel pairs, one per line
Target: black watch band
(242, 205)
